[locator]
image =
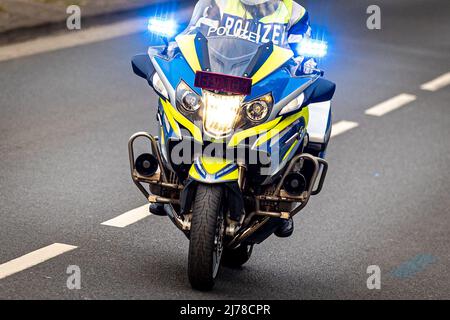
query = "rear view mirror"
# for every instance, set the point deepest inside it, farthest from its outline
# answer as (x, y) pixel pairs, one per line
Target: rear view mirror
(143, 67)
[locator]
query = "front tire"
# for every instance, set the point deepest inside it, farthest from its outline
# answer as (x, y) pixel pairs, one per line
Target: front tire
(206, 236)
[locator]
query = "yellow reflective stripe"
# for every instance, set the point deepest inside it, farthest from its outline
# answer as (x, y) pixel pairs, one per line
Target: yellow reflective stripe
(278, 57)
(290, 150)
(193, 173)
(193, 129)
(186, 43)
(231, 176)
(213, 165)
(168, 115)
(241, 135)
(283, 125)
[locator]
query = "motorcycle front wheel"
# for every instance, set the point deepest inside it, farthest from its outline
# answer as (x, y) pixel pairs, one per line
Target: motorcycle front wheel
(206, 236)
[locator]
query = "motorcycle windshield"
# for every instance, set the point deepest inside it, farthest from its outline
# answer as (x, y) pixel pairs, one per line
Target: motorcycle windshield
(231, 56)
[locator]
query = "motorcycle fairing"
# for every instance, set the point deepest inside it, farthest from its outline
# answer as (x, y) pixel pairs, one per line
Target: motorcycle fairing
(194, 48)
(171, 129)
(269, 130)
(280, 143)
(277, 58)
(273, 137)
(275, 133)
(171, 79)
(187, 45)
(213, 170)
(280, 82)
(175, 118)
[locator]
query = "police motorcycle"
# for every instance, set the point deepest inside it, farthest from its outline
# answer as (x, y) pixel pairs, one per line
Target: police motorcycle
(234, 156)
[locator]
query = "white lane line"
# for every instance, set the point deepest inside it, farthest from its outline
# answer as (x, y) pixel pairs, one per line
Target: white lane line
(437, 83)
(33, 258)
(129, 217)
(391, 105)
(341, 127)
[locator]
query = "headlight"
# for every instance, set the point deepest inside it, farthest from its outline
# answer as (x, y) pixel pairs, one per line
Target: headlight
(158, 85)
(221, 113)
(187, 99)
(257, 110)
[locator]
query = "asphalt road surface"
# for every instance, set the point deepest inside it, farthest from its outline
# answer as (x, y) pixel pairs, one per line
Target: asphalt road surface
(66, 116)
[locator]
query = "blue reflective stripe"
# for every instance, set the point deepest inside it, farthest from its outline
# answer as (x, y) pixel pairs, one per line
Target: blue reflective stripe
(228, 169)
(200, 170)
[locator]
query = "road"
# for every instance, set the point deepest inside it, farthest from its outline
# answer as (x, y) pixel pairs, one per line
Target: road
(66, 116)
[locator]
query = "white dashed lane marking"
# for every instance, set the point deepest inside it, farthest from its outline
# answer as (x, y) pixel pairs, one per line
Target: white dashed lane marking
(342, 127)
(33, 258)
(390, 105)
(437, 83)
(129, 217)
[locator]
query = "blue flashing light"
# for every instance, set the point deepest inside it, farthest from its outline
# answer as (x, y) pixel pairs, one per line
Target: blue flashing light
(162, 27)
(312, 48)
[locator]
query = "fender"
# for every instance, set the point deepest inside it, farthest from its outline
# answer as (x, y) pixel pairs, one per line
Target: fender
(233, 195)
(213, 170)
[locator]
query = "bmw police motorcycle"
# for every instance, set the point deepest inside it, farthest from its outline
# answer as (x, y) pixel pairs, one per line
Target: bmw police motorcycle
(233, 156)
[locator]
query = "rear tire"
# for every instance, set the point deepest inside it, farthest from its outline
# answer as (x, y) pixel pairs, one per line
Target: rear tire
(206, 237)
(237, 257)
